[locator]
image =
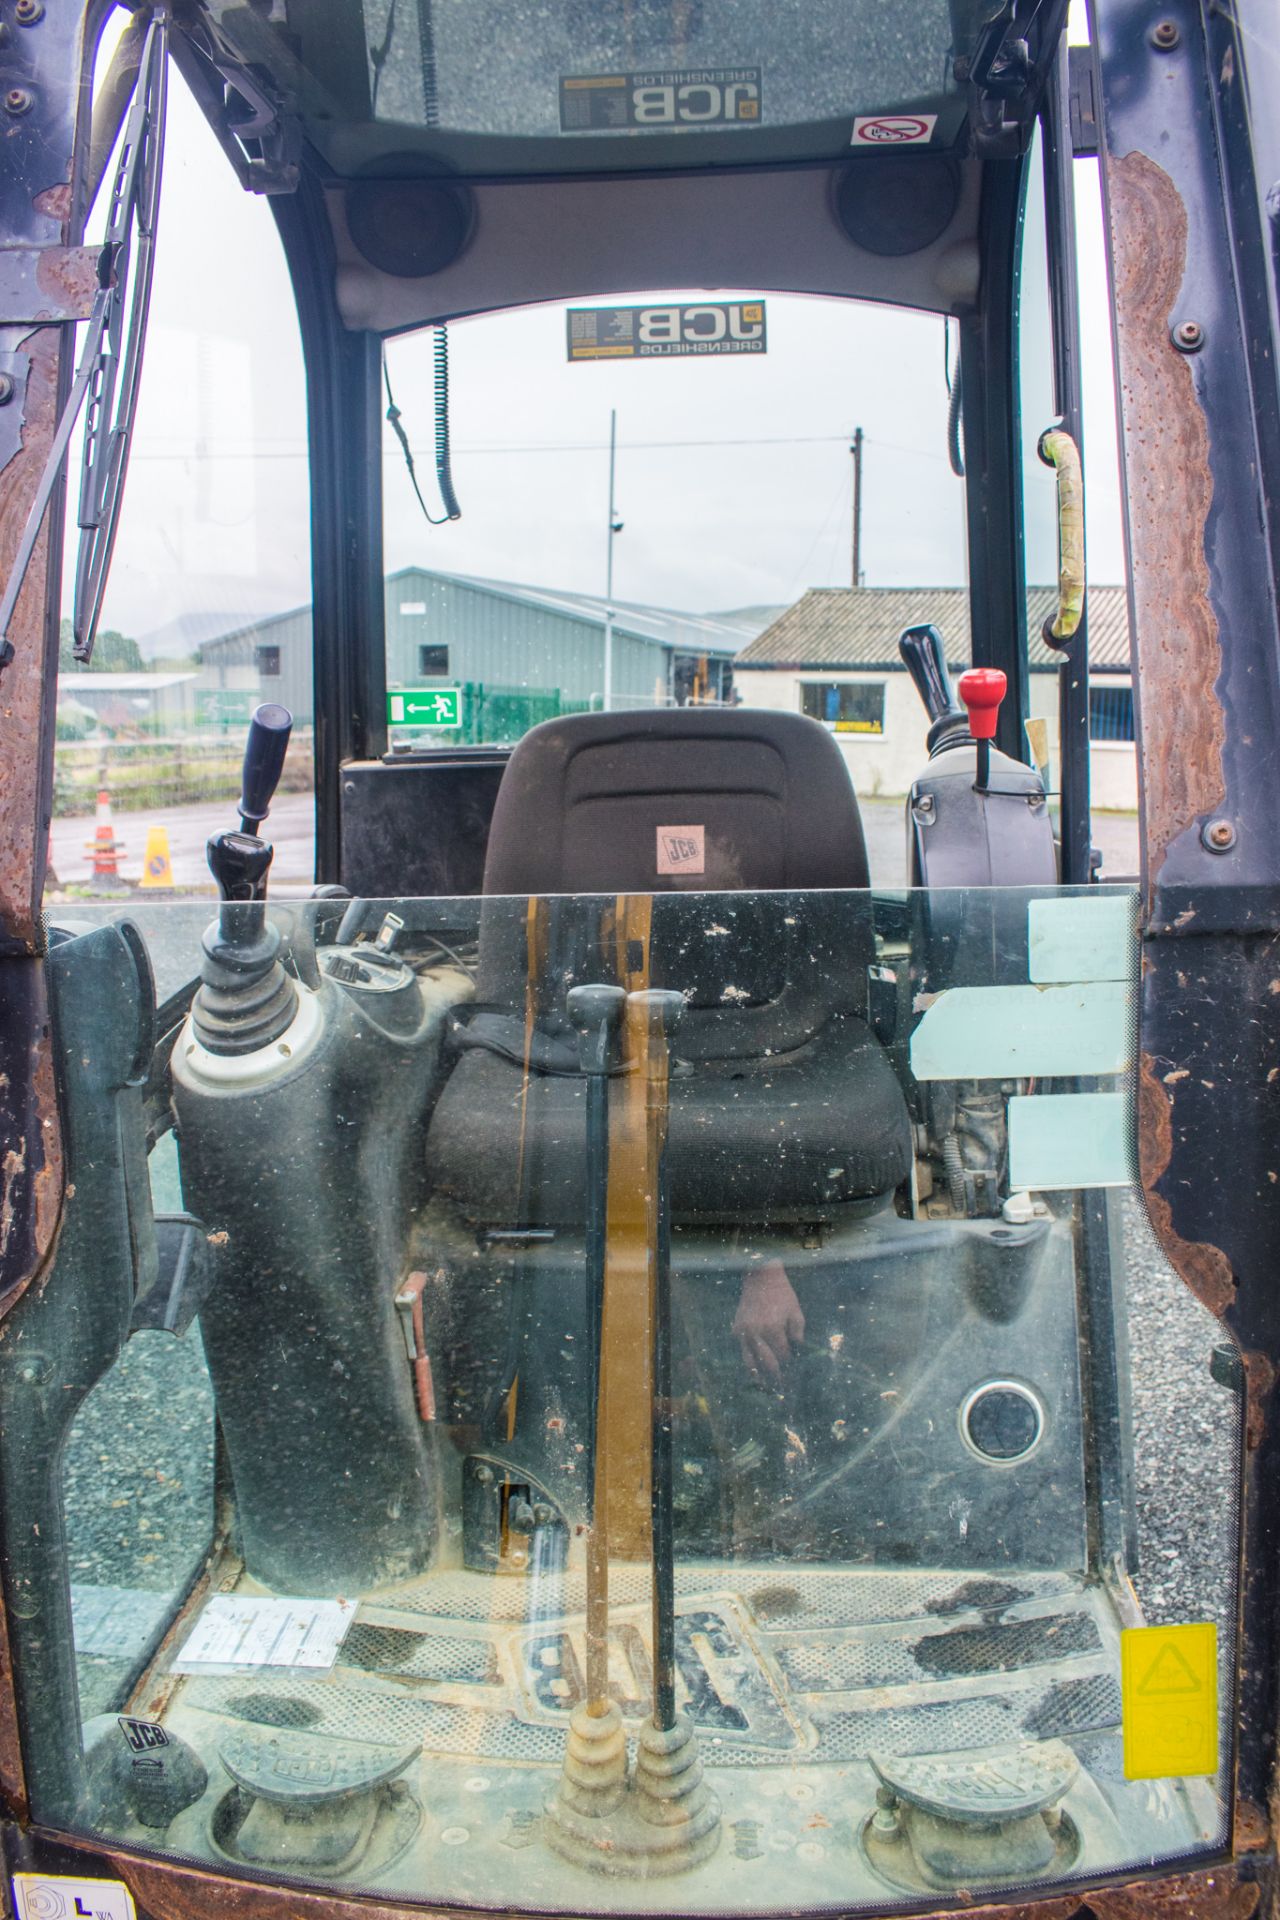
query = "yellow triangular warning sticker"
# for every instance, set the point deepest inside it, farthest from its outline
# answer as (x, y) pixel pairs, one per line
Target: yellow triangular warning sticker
(1169, 1690)
(1169, 1673)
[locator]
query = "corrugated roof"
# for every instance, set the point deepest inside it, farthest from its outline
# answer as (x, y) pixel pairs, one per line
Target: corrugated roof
(723, 633)
(685, 632)
(855, 627)
(121, 682)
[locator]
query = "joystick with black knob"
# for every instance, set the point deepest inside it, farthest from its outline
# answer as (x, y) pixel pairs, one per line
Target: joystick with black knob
(246, 1000)
(924, 656)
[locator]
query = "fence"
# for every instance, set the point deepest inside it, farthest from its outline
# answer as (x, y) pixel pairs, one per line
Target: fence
(142, 774)
(498, 716)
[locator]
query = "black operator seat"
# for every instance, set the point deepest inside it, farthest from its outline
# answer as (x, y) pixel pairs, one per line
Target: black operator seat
(742, 824)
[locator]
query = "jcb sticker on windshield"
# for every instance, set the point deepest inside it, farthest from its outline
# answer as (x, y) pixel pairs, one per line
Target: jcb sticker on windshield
(55, 1896)
(893, 129)
(659, 333)
(692, 97)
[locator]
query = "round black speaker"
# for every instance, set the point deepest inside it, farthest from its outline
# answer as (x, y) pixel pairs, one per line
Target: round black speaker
(410, 227)
(893, 203)
(1002, 1420)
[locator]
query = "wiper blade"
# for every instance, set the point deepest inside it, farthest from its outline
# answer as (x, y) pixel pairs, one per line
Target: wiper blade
(110, 366)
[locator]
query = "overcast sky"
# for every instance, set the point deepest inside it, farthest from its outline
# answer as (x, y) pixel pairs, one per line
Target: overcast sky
(734, 476)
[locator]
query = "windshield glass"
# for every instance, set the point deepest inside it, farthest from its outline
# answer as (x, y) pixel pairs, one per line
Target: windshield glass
(488, 86)
(647, 490)
(697, 1396)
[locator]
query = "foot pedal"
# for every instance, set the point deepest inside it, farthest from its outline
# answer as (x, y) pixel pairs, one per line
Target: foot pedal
(300, 1800)
(949, 1820)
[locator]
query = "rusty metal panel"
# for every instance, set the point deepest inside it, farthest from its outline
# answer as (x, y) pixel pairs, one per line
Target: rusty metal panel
(26, 684)
(1175, 628)
(39, 284)
(171, 1892)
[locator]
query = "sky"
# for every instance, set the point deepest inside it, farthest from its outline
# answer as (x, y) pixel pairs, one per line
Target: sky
(734, 477)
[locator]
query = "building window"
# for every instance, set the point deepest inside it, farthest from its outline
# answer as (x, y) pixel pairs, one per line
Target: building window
(268, 661)
(433, 660)
(848, 706)
(1111, 713)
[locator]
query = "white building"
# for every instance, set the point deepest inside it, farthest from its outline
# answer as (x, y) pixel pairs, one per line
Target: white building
(834, 655)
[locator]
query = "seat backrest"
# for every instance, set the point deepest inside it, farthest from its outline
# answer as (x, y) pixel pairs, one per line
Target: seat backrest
(693, 799)
(677, 802)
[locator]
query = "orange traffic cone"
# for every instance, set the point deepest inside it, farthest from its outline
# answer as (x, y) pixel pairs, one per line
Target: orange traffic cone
(104, 849)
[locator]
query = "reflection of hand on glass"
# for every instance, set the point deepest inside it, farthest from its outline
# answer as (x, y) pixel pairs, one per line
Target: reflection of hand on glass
(768, 1322)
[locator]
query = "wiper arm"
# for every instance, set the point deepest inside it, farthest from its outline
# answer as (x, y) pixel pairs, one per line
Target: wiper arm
(110, 366)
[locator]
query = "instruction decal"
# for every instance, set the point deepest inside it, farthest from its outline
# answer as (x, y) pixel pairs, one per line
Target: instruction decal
(666, 332)
(235, 1635)
(660, 100)
(1169, 1689)
(55, 1896)
(893, 129)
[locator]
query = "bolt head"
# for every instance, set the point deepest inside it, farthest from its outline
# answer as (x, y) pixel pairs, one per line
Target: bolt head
(17, 100)
(28, 13)
(1188, 336)
(1165, 36)
(6, 389)
(1219, 836)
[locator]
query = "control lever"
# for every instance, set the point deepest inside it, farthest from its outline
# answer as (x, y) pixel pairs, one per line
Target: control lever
(239, 862)
(596, 1012)
(264, 752)
(924, 656)
(982, 689)
(246, 1000)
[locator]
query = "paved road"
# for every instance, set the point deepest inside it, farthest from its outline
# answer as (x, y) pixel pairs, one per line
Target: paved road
(291, 829)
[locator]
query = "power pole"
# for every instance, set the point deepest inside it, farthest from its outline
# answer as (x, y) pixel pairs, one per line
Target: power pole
(608, 591)
(856, 451)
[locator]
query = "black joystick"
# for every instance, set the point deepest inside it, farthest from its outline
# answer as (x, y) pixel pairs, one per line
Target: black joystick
(264, 753)
(246, 1000)
(924, 656)
(239, 862)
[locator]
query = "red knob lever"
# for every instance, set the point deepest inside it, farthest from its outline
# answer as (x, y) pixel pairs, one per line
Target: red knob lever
(982, 689)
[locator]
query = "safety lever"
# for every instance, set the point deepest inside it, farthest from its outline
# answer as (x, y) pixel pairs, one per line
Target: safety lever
(982, 689)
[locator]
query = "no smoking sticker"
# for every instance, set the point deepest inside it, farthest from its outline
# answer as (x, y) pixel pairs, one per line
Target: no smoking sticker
(1169, 1689)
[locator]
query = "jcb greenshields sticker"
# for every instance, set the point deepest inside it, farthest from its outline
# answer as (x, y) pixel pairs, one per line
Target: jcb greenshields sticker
(666, 332)
(661, 100)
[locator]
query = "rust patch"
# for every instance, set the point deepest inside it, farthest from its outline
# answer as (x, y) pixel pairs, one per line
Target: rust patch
(24, 684)
(1250, 1829)
(68, 279)
(1259, 1379)
(43, 1173)
(1217, 1895)
(1178, 655)
(51, 1174)
(1205, 1268)
(13, 1782)
(54, 202)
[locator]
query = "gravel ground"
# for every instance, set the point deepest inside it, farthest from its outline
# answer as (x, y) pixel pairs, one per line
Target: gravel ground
(1185, 1442)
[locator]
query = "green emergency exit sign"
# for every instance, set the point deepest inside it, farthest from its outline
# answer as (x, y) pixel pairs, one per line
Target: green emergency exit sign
(425, 707)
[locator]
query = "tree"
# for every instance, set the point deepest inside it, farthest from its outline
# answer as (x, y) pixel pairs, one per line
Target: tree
(112, 653)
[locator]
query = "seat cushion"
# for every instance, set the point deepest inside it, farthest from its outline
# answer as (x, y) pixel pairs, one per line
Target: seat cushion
(788, 1137)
